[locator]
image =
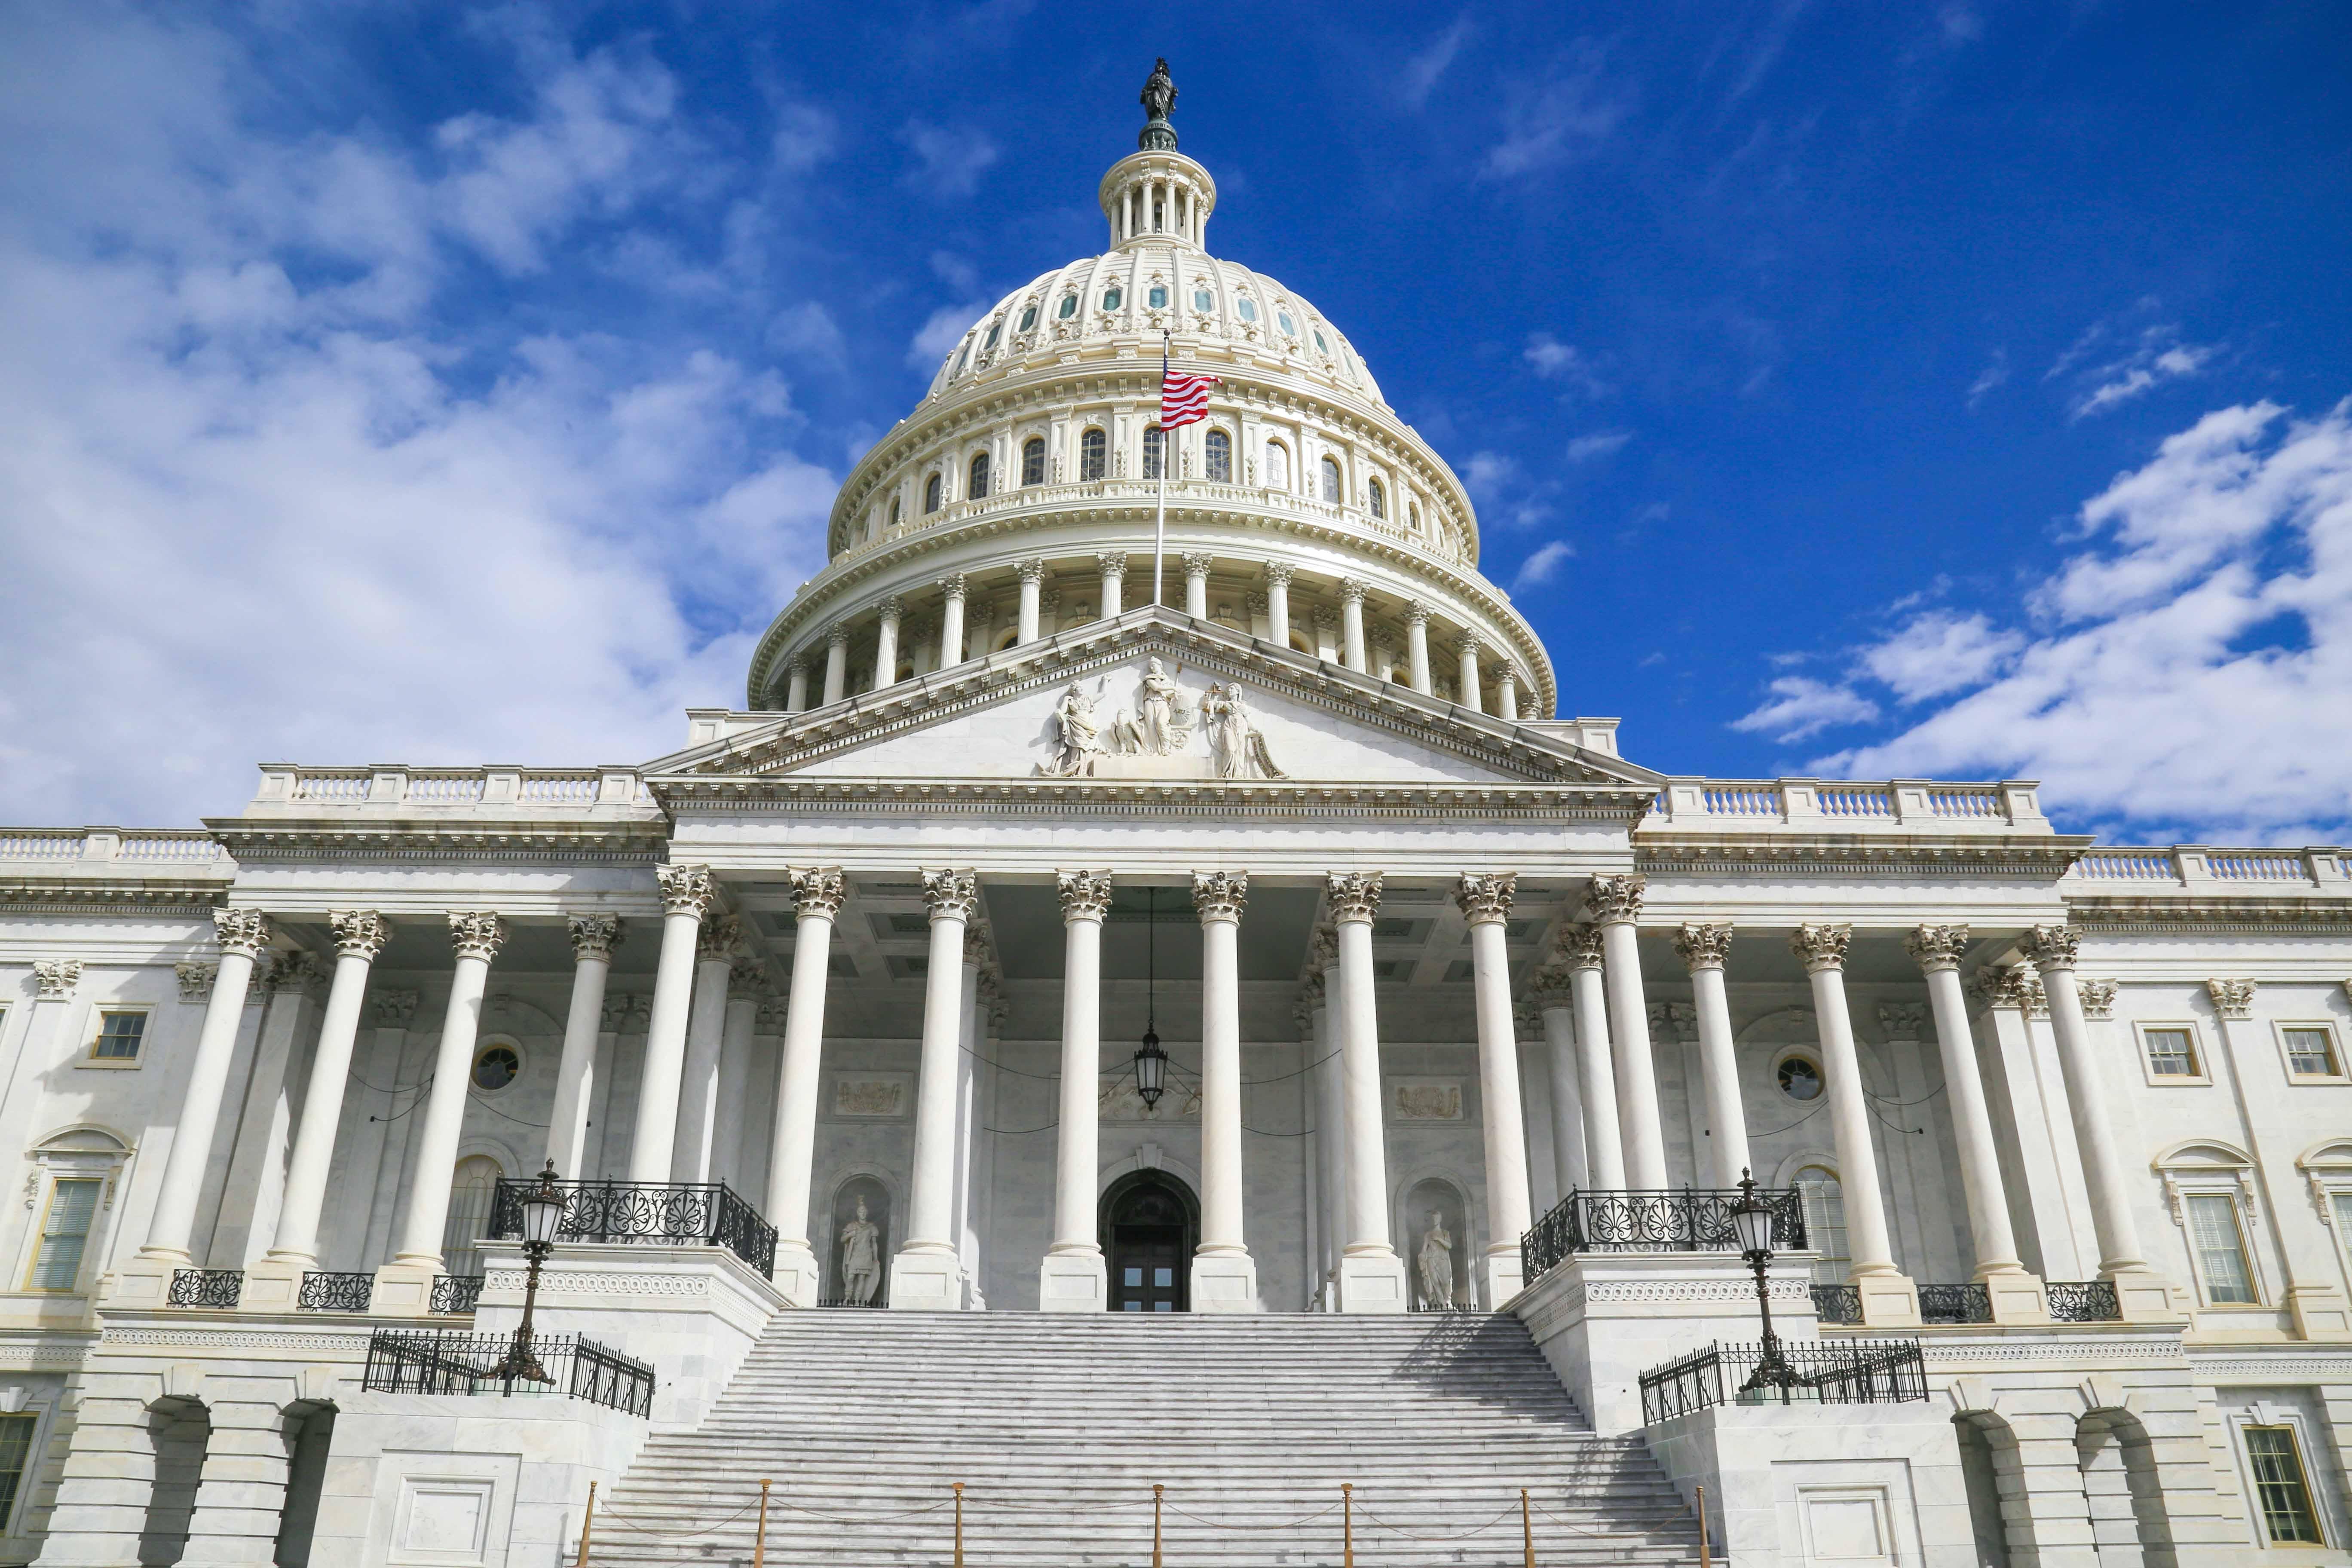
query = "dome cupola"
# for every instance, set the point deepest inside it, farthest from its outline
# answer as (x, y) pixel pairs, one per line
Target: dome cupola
(1157, 192)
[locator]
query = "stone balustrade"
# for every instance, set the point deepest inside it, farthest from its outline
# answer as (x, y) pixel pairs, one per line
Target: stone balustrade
(502, 791)
(1909, 806)
(2198, 866)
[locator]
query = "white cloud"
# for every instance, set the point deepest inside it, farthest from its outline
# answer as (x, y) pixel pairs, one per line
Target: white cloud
(1486, 474)
(1564, 363)
(1801, 706)
(1421, 70)
(2108, 370)
(939, 334)
(1599, 444)
(1995, 372)
(1542, 566)
(805, 137)
(952, 161)
(1565, 117)
(1940, 653)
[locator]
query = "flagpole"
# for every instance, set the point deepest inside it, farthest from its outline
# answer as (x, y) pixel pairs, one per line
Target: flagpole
(1160, 523)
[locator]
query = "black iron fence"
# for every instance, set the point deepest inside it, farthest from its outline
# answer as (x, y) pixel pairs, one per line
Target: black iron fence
(457, 1293)
(1693, 1219)
(216, 1288)
(425, 1360)
(2083, 1301)
(1841, 1372)
(669, 1213)
(1837, 1303)
(335, 1292)
(1947, 1305)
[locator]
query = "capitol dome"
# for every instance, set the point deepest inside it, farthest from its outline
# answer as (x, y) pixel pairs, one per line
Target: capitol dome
(1018, 499)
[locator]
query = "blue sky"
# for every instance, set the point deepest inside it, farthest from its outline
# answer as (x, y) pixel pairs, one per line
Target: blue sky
(1951, 390)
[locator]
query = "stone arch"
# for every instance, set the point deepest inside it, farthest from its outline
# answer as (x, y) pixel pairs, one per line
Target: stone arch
(1993, 1476)
(179, 1431)
(2121, 1485)
(885, 1210)
(1445, 1190)
(309, 1429)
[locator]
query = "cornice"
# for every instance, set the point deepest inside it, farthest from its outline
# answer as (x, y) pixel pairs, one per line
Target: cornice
(1254, 799)
(68, 896)
(2035, 855)
(2196, 913)
(632, 843)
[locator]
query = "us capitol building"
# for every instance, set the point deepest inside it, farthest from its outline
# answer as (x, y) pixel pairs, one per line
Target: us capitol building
(1250, 1038)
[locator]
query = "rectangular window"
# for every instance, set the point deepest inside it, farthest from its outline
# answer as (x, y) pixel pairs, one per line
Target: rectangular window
(16, 1453)
(2339, 1205)
(2171, 1052)
(2280, 1486)
(2221, 1249)
(2311, 1052)
(64, 1232)
(119, 1037)
(1154, 442)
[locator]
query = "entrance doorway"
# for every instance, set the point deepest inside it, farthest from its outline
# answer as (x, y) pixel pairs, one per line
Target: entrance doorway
(1150, 1224)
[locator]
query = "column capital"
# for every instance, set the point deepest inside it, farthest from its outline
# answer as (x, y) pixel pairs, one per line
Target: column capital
(2009, 986)
(2097, 996)
(1113, 563)
(1937, 948)
(394, 1009)
(1486, 899)
(889, 607)
(1903, 1020)
(979, 945)
(1220, 895)
(241, 931)
(477, 934)
(1470, 645)
(950, 894)
(626, 1014)
(819, 890)
(1353, 589)
(1279, 572)
(1322, 951)
(2051, 947)
(195, 980)
(798, 664)
(1256, 603)
(1820, 947)
(1582, 948)
(56, 978)
(359, 934)
(1616, 900)
(2231, 999)
(1416, 613)
(1327, 619)
(1197, 563)
(951, 586)
(593, 936)
(747, 978)
(1354, 896)
(299, 972)
(717, 941)
(1085, 895)
(1031, 570)
(686, 889)
(837, 634)
(1704, 946)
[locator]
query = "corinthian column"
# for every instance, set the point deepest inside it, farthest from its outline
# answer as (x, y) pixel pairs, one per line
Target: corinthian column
(1705, 948)
(927, 1274)
(886, 644)
(1616, 905)
(1887, 1295)
(796, 671)
(1596, 1070)
(951, 589)
(593, 938)
(1196, 583)
(1466, 648)
(1113, 564)
(837, 661)
(1032, 582)
(1277, 603)
(1071, 1278)
(1486, 903)
(693, 1151)
(817, 896)
(687, 897)
(1225, 1277)
(1416, 646)
(1371, 1275)
(1351, 622)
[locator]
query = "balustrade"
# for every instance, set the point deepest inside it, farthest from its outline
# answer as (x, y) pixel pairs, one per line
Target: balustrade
(1844, 1372)
(2083, 1301)
(1838, 1304)
(1692, 1219)
(663, 1213)
(324, 1292)
(456, 1295)
(214, 1289)
(437, 1361)
(1952, 1305)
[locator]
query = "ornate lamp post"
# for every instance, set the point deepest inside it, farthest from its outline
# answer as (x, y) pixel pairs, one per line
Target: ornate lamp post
(1150, 1061)
(1751, 1219)
(542, 1216)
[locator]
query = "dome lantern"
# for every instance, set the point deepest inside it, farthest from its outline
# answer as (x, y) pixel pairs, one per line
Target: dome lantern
(1157, 192)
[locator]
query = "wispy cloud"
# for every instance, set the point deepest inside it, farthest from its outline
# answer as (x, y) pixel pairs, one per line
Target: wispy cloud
(1542, 566)
(2113, 362)
(1990, 379)
(1422, 70)
(1798, 706)
(1566, 363)
(1565, 116)
(805, 137)
(1599, 444)
(949, 162)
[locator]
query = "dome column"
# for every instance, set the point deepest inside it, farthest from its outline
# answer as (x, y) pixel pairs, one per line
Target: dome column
(951, 620)
(1467, 648)
(1196, 583)
(1416, 645)
(1033, 583)
(885, 645)
(836, 662)
(796, 684)
(1277, 603)
(1351, 622)
(1113, 564)
(1506, 694)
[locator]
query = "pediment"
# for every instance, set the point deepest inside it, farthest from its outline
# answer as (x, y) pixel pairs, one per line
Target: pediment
(1150, 698)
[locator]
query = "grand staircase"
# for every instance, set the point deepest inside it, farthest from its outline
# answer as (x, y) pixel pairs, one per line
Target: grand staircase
(1058, 1425)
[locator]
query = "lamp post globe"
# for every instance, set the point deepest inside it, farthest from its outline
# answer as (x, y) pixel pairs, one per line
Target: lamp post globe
(1751, 1221)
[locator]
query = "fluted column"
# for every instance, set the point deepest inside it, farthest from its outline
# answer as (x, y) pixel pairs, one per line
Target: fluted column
(1485, 902)
(1351, 622)
(593, 938)
(1224, 1277)
(1196, 583)
(1507, 693)
(1277, 603)
(837, 661)
(1331, 1113)
(1704, 948)
(1616, 907)
(886, 642)
(796, 684)
(1033, 583)
(477, 936)
(359, 936)
(2016, 1295)
(1887, 1295)
(1113, 566)
(951, 589)
(1371, 1275)
(1071, 1277)
(1466, 648)
(926, 1275)
(1556, 1017)
(696, 1140)
(687, 895)
(817, 896)
(746, 993)
(1583, 949)
(1416, 646)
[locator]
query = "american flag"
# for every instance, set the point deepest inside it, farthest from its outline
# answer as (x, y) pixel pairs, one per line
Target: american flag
(1183, 399)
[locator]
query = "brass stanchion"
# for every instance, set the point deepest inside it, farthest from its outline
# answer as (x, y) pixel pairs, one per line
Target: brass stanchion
(587, 1520)
(1705, 1559)
(1157, 1490)
(759, 1540)
(1527, 1531)
(1347, 1525)
(959, 1555)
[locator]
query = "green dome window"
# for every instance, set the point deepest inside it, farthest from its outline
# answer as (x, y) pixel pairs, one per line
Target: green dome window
(1202, 299)
(1156, 299)
(1289, 328)
(1069, 306)
(1246, 308)
(1111, 297)
(1028, 318)
(1320, 343)
(995, 331)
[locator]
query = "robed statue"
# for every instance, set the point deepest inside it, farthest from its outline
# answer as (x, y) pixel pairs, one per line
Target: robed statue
(861, 1259)
(1158, 92)
(1435, 1264)
(1076, 737)
(1236, 748)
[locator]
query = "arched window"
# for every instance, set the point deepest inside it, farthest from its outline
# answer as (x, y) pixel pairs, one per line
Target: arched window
(1331, 481)
(1091, 446)
(931, 493)
(1154, 443)
(1412, 514)
(995, 330)
(1824, 1200)
(1033, 460)
(1159, 215)
(894, 511)
(978, 489)
(1277, 466)
(1380, 499)
(1220, 448)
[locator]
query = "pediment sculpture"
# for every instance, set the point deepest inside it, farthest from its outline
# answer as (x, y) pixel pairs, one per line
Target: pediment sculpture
(1163, 723)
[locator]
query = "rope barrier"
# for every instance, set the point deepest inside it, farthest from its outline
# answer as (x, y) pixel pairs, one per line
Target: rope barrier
(1410, 1535)
(682, 1534)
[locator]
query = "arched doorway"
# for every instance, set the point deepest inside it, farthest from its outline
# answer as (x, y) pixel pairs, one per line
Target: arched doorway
(1149, 1225)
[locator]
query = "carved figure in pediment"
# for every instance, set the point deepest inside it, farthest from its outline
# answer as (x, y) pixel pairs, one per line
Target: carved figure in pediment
(1076, 737)
(1235, 746)
(1163, 721)
(861, 1258)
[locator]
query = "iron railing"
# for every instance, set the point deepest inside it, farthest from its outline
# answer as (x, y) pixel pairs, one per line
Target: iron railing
(1837, 1303)
(877, 1304)
(1692, 1219)
(1825, 1372)
(457, 1293)
(216, 1288)
(674, 1212)
(335, 1292)
(1954, 1304)
(2083, 1301)
(413, 1360)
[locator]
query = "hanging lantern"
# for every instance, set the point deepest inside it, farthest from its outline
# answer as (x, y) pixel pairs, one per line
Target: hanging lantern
(1150, 1070)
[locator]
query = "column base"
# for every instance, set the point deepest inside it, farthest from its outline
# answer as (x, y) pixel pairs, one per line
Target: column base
(1073, 1282)
(1505, 1277)
(1888, 1301)
(1225, 1282)
(274, 1283)
(2142, 1296)
(927, 1279)
(2016, 1296)
(143, 1279)
(1371, 1282)
(404, 1287)
(797, 1276)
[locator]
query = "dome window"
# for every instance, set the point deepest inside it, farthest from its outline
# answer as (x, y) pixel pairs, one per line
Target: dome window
(1331, 481)
(978, 489)
(1111, 297)
(1320, 345)
(1277, 466)
(1155, 444)
(1091, 446)
(1028, 318)
(1380, 500)
(965, 358)
(894, 513)
(1203, 300)
(1245, 307)
(1157, 297)
(1289, 327)
(931, 493)
(1412, 514)
(1069, 306)
(995, 330)
(1219, 447)
(1033, 460)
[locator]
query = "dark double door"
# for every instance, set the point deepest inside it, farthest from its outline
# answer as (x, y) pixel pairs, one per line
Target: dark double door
(1149, 1228)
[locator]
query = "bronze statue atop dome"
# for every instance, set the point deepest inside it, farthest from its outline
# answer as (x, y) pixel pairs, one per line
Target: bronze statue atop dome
(1158, 98)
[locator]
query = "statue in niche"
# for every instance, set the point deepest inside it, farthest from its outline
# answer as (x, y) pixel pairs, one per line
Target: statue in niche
(1076, 737)
(1235, 746)
(861, 1259)
(1435, 1264)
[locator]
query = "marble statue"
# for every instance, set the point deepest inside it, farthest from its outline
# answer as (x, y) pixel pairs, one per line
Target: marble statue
(1436, 1265)
(1235, 746)
(1076, 737)
(1162, 720)
(861, 1259)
